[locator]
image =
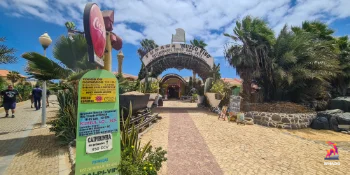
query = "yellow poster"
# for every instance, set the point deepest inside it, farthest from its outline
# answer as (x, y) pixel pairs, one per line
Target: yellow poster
(98, 90)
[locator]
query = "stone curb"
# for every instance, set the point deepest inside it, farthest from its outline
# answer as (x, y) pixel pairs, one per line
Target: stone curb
(70, 150)
(70, 145)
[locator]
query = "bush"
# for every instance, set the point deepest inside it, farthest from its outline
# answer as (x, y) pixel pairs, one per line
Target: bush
(65, 125)
(154, 86)
(137, 160)
(24, 90)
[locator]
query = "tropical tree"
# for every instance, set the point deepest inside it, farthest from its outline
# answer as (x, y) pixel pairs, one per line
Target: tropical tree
(146, 46)
(199, 43)
(13, 76)
(303, 66)
(299, 65)
(317, 28)
(216, 72)
(6, 54)
(252, 57)
(72, 52)
(42, 68)
(3, 83)
(342, 81)
(321, 31)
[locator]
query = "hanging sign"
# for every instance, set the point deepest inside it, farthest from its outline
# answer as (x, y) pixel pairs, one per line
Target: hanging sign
(98, 90)
(177, 48)
(95, 33)
(98, 148)
(99, 143)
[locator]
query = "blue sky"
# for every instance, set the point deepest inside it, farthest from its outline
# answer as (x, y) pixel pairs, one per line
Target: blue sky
(25, 20)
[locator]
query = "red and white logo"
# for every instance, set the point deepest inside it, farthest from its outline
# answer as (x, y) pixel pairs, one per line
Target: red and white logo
(97, 31)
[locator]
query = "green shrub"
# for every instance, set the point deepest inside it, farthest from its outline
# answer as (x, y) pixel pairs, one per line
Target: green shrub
(221, 88)
(65, 124)
(24, 90)
(137, 160)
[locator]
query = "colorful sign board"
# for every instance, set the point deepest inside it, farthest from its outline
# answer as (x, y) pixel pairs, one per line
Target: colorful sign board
(98, 122)
(98, 128)
(177, 48)
(95, 33)
(98, 90)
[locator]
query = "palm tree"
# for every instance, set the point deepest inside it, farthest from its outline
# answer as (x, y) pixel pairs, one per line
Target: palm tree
(216, 72)
(199, 43)
(146, 46)
(72, 52)
(6, 54)
(321, 30)
(42, 68)
(13, 76)
(252, 58)
(342, 81)
(303, 66)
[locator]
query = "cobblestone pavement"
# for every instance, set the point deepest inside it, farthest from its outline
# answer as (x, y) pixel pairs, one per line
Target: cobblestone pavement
(249, 149)
(25, 147)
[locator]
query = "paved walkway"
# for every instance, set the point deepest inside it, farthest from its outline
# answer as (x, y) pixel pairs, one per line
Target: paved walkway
(25, 148)
(197, 143)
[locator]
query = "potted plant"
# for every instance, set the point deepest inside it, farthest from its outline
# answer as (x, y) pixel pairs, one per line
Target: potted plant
(194, 97)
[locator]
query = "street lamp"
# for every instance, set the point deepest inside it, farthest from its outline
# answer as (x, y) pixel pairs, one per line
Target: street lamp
(45, 41)
(120, 62)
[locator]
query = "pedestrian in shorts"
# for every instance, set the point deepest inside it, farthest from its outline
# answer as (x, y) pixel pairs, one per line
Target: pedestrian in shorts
(9, 100)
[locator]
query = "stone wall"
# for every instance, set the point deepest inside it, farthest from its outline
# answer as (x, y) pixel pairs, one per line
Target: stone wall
(281, 120)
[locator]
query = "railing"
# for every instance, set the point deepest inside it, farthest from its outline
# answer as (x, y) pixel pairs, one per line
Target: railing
(143, 119)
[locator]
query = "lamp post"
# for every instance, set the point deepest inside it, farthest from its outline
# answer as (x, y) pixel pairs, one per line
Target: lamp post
(120, 62)
(45, 41)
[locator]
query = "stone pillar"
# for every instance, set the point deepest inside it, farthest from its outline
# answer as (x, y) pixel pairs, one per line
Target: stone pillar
(120, 62)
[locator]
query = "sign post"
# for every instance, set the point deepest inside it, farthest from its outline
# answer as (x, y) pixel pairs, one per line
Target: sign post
(98, 124)
(95, 33)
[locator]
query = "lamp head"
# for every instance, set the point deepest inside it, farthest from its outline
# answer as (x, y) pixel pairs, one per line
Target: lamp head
(45, 40)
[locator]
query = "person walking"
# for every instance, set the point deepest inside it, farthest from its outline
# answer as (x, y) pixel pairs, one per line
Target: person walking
(37, 93)
(48, 93)
(9, 100)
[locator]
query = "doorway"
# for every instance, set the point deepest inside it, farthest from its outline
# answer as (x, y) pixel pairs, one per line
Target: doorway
(173, 91)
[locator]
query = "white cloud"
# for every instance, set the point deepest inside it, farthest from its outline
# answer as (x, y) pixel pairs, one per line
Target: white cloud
(128, 35)
(205, 19)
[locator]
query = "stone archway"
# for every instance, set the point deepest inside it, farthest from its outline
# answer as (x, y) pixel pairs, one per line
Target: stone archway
(179, 56)
(173, 82)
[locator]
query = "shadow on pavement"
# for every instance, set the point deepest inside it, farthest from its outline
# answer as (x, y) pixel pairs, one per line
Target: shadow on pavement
(42, 145)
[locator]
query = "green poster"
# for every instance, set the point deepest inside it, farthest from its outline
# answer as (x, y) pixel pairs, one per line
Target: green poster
(98, 124)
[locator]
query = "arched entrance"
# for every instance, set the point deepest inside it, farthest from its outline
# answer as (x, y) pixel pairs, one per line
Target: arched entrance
(179, 56)
(173, 91)
(173, 86)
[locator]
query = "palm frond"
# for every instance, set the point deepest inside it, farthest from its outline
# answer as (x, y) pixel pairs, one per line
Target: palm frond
(42, 68)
